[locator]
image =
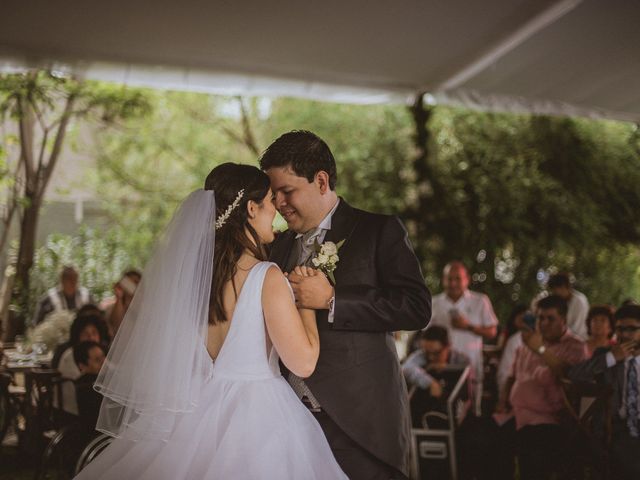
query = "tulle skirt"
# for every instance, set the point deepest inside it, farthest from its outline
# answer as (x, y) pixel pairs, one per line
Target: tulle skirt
(254, 429)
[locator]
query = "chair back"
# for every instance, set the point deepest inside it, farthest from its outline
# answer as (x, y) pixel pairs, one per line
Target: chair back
(5, 405)
(45, 404)
(584, 400)
(589, 419)
(42, 389)
(91, 451)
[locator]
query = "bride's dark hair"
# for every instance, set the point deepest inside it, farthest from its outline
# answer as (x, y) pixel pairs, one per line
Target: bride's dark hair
(226, 181)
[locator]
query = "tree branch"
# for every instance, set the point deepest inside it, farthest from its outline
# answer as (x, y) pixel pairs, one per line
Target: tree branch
(249, 138)
(26, 122)
(133, 182)
(38, 113)
(6, 220)
(233, 135)
(43, 148)
(73, 113)
(57, 145)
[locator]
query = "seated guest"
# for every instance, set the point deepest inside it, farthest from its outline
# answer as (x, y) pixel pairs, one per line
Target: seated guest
(434, 353)
(578, 304)
(84, 328)
(422, 369)
(91, 309)
(511, 341)
(535, 392)
(600, 327)
(468, 316)
(510, 328)
(89, 357)
(68, 296)
(619, 367)
(87, 310)
(117, 306)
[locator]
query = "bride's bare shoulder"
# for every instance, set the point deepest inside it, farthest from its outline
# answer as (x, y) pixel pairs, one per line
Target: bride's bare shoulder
(274, 277)
(275, 283)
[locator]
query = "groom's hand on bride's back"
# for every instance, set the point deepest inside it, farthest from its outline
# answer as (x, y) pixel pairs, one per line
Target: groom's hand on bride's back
(311, 288)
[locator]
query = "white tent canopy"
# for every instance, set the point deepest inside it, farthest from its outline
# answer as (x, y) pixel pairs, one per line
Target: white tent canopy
(577, 57)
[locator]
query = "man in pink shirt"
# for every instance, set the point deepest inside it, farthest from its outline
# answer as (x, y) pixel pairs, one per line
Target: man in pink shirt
(535, 393)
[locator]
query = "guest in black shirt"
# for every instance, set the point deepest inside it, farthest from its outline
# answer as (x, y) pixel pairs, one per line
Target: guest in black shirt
(89, 356)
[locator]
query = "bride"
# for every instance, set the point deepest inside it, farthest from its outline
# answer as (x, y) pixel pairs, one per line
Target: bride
(192, 387)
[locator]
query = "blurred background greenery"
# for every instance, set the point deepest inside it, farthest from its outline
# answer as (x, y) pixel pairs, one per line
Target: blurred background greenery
(515, 197)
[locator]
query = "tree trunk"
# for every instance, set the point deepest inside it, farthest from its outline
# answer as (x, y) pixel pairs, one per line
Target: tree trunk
(36, 180)
(7, 280)
(7, 224)
(26, 252)
(7, 332)
(423, 173)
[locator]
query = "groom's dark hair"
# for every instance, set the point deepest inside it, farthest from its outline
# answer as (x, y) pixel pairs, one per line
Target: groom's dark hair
(303, 151)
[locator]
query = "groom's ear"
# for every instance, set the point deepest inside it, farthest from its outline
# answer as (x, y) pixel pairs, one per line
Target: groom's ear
(322, 180)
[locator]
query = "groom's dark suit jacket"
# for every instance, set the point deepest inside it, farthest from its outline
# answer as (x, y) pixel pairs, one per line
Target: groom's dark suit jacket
(379, 289)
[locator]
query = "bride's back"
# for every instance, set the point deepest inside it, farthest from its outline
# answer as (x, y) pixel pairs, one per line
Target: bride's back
(263, 315)
(242, 347)
(218, 330)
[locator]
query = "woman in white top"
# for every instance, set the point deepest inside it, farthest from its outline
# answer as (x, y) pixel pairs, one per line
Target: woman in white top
(86, 327)
(510, 342)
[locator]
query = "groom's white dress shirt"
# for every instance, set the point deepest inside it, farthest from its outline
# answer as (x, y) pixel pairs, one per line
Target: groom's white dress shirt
(306, 251)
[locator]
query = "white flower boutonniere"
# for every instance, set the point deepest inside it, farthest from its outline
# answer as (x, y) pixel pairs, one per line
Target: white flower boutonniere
(326, 259)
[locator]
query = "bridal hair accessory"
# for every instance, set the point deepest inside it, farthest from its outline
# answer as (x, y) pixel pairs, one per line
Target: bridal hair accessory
(222, 219)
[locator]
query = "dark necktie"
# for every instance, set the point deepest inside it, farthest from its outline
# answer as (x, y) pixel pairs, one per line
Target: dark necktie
(632, 398)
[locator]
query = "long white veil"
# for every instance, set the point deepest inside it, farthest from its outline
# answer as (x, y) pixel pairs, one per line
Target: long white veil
(158, 361)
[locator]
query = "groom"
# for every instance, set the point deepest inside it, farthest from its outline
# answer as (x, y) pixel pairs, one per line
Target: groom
(357, 392)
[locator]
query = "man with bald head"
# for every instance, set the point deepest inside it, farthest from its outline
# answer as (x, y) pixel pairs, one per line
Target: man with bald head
(468, 316)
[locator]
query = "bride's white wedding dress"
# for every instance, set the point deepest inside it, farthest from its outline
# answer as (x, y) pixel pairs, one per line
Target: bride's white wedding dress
(248, 423)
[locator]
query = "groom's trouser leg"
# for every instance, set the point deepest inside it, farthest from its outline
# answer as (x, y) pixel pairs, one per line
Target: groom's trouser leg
(356, 462)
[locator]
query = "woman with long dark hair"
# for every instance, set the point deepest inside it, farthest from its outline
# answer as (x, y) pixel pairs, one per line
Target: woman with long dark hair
(192, 382)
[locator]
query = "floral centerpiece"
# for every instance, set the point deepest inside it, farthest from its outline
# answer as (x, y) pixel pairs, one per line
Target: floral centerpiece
(54, 329)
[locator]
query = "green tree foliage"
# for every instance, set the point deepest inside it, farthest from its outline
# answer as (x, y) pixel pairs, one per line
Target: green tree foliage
(43, 106)
(149, 164)
(372, 146)
(527, 195)
(98, 257)
(514, 196)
